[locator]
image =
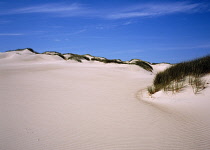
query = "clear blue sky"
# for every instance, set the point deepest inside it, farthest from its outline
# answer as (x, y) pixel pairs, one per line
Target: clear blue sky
(151, 30)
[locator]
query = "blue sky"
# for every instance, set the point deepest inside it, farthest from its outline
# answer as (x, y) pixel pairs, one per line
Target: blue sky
(151, 30)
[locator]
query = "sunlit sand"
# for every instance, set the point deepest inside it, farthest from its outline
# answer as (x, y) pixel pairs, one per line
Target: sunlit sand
(47, 103)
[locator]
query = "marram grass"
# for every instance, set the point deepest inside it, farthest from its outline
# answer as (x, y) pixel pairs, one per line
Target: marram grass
(174, 77)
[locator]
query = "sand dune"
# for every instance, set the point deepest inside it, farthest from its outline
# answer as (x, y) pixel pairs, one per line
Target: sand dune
(49, 104)
(26, 56)
(160, 67)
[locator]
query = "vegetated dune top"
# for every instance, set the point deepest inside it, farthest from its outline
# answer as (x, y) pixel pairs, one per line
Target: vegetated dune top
(30, 56)
(50, 103)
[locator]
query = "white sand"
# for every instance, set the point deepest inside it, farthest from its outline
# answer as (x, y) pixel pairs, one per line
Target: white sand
(50, 104)
(160, 67)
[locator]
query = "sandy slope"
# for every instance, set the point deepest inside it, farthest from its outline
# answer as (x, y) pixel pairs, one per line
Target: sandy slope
(92, 106)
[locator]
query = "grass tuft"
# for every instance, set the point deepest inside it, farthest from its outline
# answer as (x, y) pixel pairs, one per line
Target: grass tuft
(197, 84)
(174, 77)
(104, 60)
(144, 65)
(151, 90)
(54, 53)
(174, 87)
(78, 58)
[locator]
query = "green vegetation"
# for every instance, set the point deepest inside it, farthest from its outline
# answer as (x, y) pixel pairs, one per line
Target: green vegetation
(30, 49)
(139, 63)
(117, 61)
(104, 60)
(174, 86)
(197, 84)
(159, 63)
(151, 90)
(174, 78)
(98, 59)
(54, 53)
(61, 55)
(78, 58)
(144, 65)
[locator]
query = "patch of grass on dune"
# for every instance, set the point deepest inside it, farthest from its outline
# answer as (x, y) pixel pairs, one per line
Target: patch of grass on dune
(139, 63)
(54, 53)
(144, 65)
(105, 60)
(30, 49)
(78, 58)
(174, 77)
(117, 61)
(160, 63)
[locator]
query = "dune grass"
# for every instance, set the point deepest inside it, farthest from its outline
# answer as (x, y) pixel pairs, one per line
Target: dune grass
(197, 84)
(160, 63)
(105, 60)
(139, 63)
(30, 49)
(175, 76)
(78, 58)
(54, 53)
(144, 65)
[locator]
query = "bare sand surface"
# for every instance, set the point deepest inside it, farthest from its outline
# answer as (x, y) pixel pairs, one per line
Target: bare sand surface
(64, 105)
